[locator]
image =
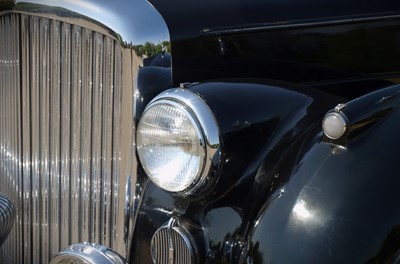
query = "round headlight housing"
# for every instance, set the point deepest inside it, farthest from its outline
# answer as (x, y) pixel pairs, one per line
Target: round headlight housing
(176, 140)
(86, 253)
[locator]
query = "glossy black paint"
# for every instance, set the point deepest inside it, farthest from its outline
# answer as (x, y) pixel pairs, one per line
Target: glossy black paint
(324, 45)
(334, 204)
(154, 76)
(151, 81)
(263, 122)
(190, 18)
(293, 197)
(322, 56)
(278, 171)
(362, 113)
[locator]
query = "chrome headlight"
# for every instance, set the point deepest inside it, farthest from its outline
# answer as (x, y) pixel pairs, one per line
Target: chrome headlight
(88, 254)
(177, 137)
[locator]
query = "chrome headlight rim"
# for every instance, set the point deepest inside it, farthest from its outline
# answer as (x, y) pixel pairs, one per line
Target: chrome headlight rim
(86, 253)
(209, 134)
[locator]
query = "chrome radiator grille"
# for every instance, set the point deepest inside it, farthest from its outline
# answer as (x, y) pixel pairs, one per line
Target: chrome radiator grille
(60, 135)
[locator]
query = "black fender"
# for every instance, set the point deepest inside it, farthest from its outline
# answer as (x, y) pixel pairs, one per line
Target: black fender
(335, 201)
(152, 80)
(259, 120)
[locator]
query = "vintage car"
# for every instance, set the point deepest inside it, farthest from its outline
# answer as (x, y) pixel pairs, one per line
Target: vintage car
(189, 132)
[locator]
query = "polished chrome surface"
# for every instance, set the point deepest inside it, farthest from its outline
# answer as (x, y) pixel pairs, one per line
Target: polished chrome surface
(172, 245)
(88, 254)
(7, 217)
(65, 144)
(135, 22)
(11, 183)
(207, 121)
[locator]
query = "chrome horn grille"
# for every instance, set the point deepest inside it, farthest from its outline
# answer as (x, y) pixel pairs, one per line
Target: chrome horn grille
(172, 245)
(7, 217)
(60, 136)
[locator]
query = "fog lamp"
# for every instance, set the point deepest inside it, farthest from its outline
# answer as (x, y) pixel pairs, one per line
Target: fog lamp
(177, 137)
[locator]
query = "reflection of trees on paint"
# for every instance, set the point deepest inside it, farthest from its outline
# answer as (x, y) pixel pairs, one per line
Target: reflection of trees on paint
(219, 249)
(5, 5)
(389, 250)
(149, 49)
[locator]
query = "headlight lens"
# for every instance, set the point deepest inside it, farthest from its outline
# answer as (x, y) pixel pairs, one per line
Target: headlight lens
(172, 147)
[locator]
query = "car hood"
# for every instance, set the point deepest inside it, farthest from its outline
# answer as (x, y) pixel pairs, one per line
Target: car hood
(192, 17)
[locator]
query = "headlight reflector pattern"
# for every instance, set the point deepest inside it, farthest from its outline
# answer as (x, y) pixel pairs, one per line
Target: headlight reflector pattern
(170, 145)
(172, 141)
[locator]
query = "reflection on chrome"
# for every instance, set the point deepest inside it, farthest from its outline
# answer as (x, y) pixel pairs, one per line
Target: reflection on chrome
(67, 183)
(338, 149)
(301, 212)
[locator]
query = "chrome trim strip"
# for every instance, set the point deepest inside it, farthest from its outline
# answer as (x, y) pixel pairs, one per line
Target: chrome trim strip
(77, 21)
(297, 24)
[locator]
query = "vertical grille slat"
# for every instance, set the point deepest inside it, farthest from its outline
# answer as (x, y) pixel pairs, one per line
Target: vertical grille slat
(26, 206)
(18, 155)
(76, 64)
(96, 193)
(35, 140)
(43, 109)
(86, 117)
(116, 159)
(107, 129)
(55, 107)
(65, 176)
(60, 136)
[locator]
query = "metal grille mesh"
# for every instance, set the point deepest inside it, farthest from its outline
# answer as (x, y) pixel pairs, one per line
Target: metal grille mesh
(60, 119)
(170, 245)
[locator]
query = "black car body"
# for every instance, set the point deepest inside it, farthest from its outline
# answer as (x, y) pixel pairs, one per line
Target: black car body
(200, 131)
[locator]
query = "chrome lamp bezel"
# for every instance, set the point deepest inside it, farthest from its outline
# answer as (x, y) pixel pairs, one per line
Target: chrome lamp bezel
(209, 135)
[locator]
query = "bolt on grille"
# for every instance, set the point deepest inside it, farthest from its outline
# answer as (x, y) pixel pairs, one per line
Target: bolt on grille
(60, 135)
